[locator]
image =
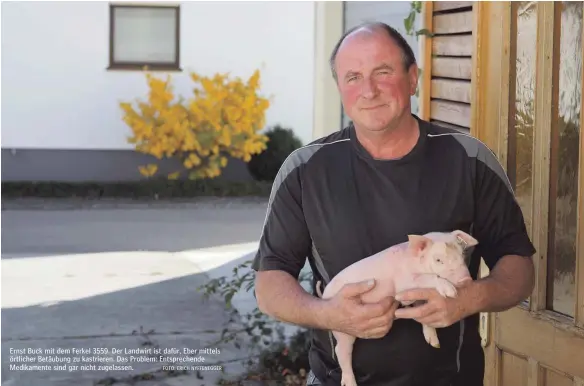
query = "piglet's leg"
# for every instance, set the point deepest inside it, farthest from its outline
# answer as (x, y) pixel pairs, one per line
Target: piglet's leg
(431, 336)
(344, 351)
(443, 286)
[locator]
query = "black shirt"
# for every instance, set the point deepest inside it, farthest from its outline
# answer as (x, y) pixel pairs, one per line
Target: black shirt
(333, 204)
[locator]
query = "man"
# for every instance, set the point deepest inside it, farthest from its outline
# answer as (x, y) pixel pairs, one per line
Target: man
(355, 192)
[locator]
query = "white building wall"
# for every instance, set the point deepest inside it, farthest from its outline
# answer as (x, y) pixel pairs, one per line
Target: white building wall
(58, 94)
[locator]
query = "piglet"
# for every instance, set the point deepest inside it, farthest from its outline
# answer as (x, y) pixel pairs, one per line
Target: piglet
(434, 260)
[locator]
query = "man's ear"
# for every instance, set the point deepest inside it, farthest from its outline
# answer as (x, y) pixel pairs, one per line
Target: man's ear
(418, 243)
(413, 74)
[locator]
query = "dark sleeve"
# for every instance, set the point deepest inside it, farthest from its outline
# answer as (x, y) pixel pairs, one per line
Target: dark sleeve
(499, 224)
(285, 241)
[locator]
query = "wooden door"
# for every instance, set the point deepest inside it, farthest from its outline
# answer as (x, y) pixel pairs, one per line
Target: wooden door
(527, 108)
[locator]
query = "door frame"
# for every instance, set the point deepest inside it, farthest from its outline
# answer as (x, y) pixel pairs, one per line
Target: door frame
(491, 88)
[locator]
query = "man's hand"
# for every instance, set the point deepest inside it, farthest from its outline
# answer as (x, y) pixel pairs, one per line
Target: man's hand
(509, 282)
(437, 311)
(348, 314)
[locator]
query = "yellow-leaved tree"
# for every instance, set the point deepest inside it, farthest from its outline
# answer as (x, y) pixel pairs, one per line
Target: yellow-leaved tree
(222, 119)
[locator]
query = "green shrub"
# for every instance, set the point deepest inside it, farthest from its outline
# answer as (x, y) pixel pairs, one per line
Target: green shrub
(281, 142)
(161, 188)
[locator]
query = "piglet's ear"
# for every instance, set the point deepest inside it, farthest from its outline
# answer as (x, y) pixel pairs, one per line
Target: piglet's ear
(465, 239)
(418, 243)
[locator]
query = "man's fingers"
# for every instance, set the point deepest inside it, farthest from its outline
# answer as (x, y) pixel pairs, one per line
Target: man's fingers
(378, 333)
(414, 294)
(394, 306)
(414, 312)
(376, 309)
(432, 321)
(354, 289)
(381, 320)
(389, 304)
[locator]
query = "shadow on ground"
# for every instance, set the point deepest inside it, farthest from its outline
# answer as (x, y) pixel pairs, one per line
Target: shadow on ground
(164, 313)
(123, 279)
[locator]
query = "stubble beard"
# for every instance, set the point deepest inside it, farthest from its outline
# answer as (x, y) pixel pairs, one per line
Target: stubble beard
(372, 128)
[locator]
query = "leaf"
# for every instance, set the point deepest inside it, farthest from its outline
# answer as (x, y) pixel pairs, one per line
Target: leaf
(148, 170)
(425, 32)
(409, 22)
(249, 286)
(228, 298)
(173, 176)
(417, 6)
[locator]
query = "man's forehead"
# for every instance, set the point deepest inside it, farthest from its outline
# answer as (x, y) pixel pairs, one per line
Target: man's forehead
(365, 35)
(378, 46)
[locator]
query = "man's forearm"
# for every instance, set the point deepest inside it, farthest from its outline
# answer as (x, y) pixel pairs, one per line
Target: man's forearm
(280, 296)
(510, 282)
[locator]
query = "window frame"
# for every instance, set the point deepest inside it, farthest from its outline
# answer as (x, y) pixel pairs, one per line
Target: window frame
(142, 65)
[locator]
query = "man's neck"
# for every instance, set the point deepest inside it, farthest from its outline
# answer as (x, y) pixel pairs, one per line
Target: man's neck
(393, 142)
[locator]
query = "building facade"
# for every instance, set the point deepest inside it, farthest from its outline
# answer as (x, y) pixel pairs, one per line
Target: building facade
(65, 70)
(62, 87)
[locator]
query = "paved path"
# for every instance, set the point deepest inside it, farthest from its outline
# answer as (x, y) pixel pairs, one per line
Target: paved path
(120, 277)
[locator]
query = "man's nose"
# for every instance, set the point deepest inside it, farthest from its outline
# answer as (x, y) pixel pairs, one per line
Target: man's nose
(369, 89)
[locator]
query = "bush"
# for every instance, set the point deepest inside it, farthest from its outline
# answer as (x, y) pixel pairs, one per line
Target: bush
(281, 142)
(223, 119)
(282, 363)
(159, 188)
(280, 359)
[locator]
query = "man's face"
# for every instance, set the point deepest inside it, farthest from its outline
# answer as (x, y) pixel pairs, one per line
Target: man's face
(374, 85)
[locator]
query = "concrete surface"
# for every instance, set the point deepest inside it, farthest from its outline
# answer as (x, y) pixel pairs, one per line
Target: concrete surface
(76, 226)
(122, 276)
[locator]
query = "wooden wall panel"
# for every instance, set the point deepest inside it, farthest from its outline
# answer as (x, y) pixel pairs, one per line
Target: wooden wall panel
(457, 68)
(451, 89)
(513, 370)
(451, 67)
(450, 5)
(557, 345)
(451, 23)
(450, 112)
(456, 45)
(553, 378)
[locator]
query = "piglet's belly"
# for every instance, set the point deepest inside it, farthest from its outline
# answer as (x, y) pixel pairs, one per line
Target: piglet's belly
(384, 286)
(371, 268)
(383, 289)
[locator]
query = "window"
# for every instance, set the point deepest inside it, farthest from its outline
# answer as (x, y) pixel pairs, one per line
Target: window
(144, 36)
